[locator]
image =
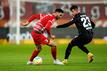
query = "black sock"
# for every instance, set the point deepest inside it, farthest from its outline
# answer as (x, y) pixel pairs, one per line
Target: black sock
(68, 50)
(84, 49)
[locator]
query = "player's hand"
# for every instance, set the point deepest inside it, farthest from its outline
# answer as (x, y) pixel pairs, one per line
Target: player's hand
(42, 30)
(24, 23)
(53, 36)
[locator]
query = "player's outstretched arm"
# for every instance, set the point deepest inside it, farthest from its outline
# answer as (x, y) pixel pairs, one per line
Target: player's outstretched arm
(65, 25)
(30, 19)
(24, 23)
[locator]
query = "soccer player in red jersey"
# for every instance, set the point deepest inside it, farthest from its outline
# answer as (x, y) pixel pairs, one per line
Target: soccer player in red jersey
(41, 33)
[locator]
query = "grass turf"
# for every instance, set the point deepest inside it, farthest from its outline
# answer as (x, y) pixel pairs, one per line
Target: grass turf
(14, 58)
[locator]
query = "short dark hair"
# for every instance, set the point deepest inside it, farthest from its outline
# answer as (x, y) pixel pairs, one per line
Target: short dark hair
(74, 7)
(59, 10)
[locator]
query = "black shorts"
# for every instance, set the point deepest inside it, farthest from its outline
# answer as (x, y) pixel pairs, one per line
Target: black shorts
(82, 40)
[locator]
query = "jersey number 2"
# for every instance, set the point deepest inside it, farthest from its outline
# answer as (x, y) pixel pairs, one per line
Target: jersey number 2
(86, 22)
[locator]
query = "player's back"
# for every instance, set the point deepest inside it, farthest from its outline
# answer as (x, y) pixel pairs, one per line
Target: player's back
(83, 23)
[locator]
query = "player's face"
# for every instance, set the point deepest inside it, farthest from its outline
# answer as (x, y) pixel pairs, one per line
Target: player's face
(74, 12)
(59, 15)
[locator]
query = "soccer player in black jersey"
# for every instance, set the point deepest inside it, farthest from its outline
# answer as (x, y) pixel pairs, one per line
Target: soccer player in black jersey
(85, 28)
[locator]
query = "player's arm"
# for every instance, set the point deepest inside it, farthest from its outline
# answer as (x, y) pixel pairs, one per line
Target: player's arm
(48, 27)
(33, 17)
(30, 19)
(66, 24)
(24, 23)
(93, 24)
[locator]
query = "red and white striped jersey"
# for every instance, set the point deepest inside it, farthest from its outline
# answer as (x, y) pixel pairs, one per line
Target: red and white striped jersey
(45, 20)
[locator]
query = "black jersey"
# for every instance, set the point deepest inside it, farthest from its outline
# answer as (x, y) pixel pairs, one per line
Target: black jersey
(82, 22)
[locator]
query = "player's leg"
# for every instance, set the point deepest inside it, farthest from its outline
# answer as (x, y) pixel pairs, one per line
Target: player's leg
(68, 50)
(83, 48)
(53, 49)
(35, 53)
(89, 54)
(82, 40)
(76, 41)
(54, 52)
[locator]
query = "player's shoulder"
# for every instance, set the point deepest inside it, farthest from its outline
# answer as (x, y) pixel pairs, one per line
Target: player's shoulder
(51, 16)
(48, 15)
(41, 15)
(79, 14)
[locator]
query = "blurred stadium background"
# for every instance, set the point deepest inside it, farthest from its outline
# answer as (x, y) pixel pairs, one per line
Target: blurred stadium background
(14, 57)
(12, 12)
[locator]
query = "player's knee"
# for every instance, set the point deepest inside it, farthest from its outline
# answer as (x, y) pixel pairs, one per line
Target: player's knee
(70, 44)
(53, 45)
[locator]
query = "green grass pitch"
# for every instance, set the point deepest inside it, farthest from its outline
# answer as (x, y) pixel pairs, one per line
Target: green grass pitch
(14, 58)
